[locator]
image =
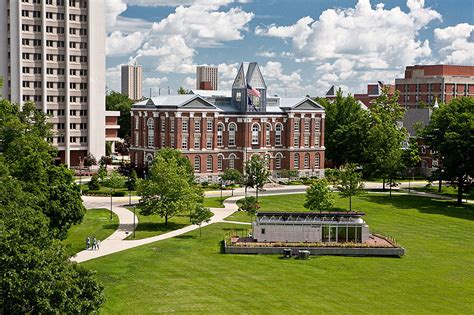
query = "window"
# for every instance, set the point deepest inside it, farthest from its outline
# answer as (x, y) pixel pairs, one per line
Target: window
(209, 163)
(297, 125)
(162, 124)
(137, 122)
(163, 141)
(220, 130)
(232, 160)
(184, 143)
(263, 231)
(306, 160)
(209, 126)
(232, 129)
(316, 161)
(296, 141)
(172, 140)
(296, 161)
(316, 140)
(317, 126)
(306, 126)
(306, 141)
(255, 130)
(151, 132)
(278, 129)
(197, 126)
(171, 124)
(220, 159)
(197, 164)
(185, 126)
(268, 129)
(278, 158)
(238, 96)
(197, 142)
(209, 142)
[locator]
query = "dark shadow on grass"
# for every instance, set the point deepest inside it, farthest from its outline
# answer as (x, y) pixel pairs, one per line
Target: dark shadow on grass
(424, 205)
(186, 236)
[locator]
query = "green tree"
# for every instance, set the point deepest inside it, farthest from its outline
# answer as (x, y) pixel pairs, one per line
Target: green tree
(332, 175)
(115, 180)
(102, 172)
(167, 191)
(37, 276)
(232, 175)
(90, 160)
(120, 102)
(132, 180)
(384, 149)
(411, 157)
(200, 215)
(319, 196)
(256, 173)
(346, 129)
(350, 182)
(94, 182)
(250, 205)
(451, 133)
(173, 154)
(182, 90)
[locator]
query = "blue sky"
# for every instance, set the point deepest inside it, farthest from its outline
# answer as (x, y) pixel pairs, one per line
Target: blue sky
(302, 46)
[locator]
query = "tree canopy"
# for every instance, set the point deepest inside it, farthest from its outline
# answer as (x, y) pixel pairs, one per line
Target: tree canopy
(256, 173)
(451, 133)
(319, 196)
(346, 128)
(350, 182)
(120, 102)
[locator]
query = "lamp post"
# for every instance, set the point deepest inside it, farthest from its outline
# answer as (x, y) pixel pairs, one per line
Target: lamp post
(111, 190)
(80, 173)
(129, 191)
(134, 215)
(222, 186)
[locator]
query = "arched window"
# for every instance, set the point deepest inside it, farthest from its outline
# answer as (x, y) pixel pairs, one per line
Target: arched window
(232, 130)
(316, 161)
(209, 163)
(278, 158)
(268, 129)
(278, 130)
(232, 160)
(296, 161)
(151, 132)
(220, 133)
(306, 160)
(197, 164)
(267, 160)
(149, 159)
(220, 160)
(255, 131)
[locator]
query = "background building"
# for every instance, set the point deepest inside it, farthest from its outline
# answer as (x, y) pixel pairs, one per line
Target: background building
(365, 99)
(207, 78)
(425, 84)
(132, 81)
(53, 53)
(220, 130)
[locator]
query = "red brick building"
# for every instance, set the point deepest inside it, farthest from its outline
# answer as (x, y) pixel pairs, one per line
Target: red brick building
(216, 132)
(425, 84)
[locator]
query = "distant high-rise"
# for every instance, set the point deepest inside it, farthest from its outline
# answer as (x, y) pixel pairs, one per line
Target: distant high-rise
(53, 53)
(206, 78)
(132, 81)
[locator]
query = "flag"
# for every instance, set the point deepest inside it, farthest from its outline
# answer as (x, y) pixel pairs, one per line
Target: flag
(252, 91)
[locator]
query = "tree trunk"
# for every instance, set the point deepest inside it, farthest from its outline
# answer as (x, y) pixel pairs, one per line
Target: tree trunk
(440, 183)
(383, 184)
(350, 203)
(166, 219)
(390, 188)
(460, 190)
(256, 193)
(200, 234)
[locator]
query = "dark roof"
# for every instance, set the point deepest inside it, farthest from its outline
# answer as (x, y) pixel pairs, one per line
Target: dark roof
(312, 214)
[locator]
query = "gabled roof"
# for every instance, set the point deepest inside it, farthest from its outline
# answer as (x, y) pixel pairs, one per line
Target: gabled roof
(182, 101)
(249, 73)
(299, 103)
(212, 93)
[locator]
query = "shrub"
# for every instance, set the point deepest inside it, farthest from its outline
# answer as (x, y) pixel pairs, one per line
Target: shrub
(118, 194)
(249, 204)
(205, 184)
(94, 182)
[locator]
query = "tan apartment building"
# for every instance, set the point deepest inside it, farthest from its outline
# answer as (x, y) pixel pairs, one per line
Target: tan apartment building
(132, 81)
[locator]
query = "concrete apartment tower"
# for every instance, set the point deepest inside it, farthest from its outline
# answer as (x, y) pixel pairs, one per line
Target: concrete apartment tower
(207, 78)
(52, 52)
(132, 81)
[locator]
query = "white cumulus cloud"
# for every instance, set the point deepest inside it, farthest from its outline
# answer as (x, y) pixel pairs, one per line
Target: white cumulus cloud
(120, 44)
(456, 44)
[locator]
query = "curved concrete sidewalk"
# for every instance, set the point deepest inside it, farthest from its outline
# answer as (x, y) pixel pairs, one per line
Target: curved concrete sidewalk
(116, 242)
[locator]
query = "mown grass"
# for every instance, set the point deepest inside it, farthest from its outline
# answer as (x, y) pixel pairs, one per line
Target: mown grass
(445, 191)
(189, 273)
(214, 202)
(96, 223)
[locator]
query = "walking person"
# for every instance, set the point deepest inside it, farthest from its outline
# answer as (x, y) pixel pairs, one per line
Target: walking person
(88, 243)
(98, 244)
(94, 242)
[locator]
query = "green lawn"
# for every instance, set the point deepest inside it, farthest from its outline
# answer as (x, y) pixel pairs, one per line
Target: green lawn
(96, 223)
(445, 190)
(214, 202)
(152, 225)
(189, 274)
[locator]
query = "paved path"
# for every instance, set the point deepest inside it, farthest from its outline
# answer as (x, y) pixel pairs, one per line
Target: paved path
(116, 242)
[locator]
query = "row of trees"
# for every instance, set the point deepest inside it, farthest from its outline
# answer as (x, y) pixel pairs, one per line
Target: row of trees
(39, 202)
(375, 140)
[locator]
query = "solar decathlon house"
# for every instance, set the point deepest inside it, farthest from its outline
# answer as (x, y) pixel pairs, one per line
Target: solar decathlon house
(217, 130)
(310, 227)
